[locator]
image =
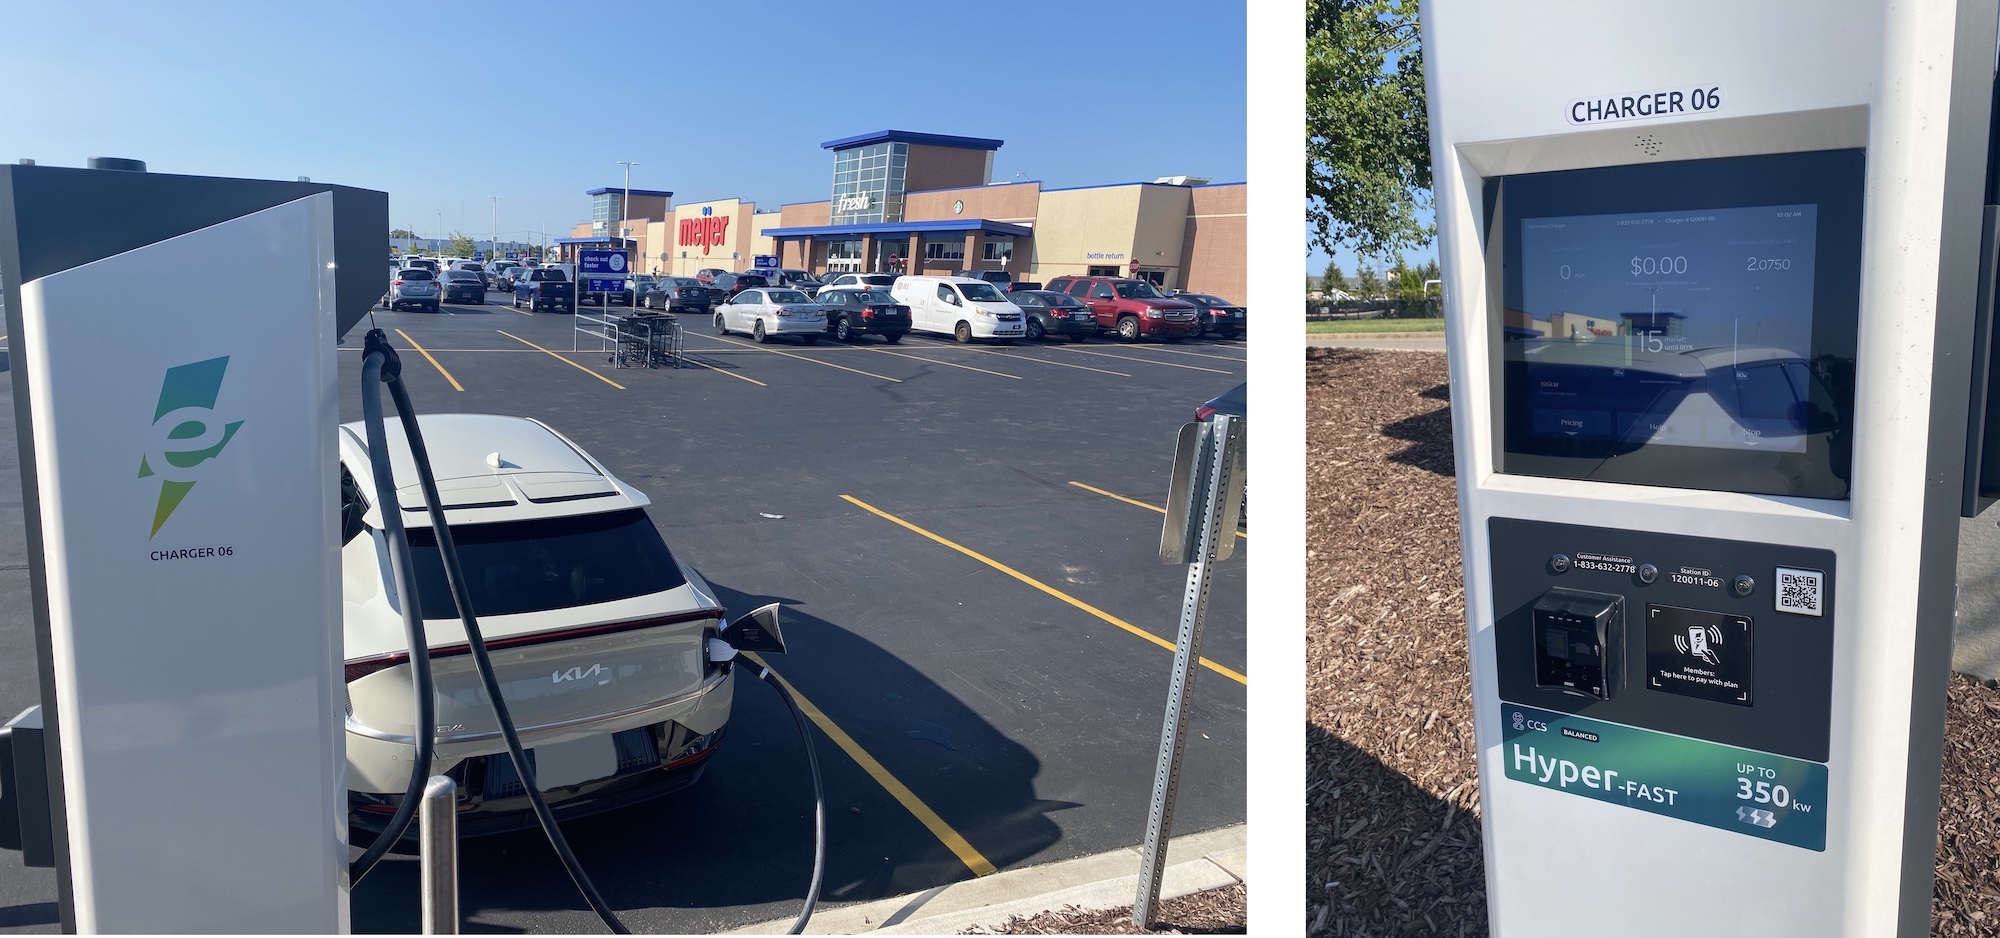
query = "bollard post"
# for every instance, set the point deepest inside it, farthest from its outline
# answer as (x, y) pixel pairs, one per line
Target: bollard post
(438, 830)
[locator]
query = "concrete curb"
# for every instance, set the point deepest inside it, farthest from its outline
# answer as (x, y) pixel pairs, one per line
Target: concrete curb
(1195, 862)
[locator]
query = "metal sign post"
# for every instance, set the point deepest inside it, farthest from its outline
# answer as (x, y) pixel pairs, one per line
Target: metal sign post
(1207, 485)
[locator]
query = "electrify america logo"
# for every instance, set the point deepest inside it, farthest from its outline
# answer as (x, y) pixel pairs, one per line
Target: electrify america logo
(185, 433)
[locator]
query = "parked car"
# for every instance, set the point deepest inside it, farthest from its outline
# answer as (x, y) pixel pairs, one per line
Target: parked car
(412, 286)
(1055, 314)
(509, 276)
(596, 630)
(1134, 308)
(474, 266)
(732, 284)
(1017, 286)
(427, 263)
(708, 274)
(995, 277)
(869, 281)
(464, 286)
(678, 294)
(639, 284)
(545, 286)
(1216, 315)
(769, 312)
(852, 312)
(960, 307)
(496, 274)
(800, 280)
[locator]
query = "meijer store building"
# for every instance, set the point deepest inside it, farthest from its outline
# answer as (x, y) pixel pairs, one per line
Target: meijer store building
(909, 202)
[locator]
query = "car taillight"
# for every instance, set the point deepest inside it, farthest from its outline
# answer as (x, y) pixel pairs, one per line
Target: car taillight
(1203, 413)
(399, 283)
(362, 667)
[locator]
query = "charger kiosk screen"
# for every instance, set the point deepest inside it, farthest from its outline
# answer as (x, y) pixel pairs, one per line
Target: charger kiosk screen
(1686, 324)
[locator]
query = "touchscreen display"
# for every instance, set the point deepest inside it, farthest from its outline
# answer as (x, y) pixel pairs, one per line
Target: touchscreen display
(1687, 324)
(1681, 328)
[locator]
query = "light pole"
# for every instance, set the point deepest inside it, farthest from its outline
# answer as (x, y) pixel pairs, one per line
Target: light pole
(625, 211)
(496, 225)
(439, 244)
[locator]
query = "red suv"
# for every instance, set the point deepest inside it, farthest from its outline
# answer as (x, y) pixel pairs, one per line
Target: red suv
(1135, 308)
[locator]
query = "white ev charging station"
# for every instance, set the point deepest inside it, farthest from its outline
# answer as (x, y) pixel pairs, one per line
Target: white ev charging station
(174, 387)
(1719, 324)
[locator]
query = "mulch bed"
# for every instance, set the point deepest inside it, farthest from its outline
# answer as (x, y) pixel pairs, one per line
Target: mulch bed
(1215, 912)
(1392, 795)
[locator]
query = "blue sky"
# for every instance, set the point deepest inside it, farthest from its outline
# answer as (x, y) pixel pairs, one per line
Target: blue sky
(406, 97)
(1316, 259)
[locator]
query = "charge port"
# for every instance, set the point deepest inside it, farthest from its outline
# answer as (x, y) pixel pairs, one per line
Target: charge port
(1580, 642)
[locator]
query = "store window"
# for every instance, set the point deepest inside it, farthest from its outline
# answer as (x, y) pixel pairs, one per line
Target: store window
(845, 250)
(953, 250)
(999, 249)
(1102, 272)
(868, 184)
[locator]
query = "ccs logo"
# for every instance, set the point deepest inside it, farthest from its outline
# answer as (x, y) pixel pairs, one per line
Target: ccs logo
(184, 433)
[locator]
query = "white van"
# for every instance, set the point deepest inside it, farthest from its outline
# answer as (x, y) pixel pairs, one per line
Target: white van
(960, 307)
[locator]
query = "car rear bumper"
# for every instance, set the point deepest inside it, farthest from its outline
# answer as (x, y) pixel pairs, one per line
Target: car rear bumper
(1063, 325)
(775, 326)
(492, 799)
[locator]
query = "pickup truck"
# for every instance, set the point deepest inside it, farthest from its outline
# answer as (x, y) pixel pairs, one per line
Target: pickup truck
(1134, 308)
(545, 286)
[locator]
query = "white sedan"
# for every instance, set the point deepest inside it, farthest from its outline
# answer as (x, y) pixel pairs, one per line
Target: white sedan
(768, 312)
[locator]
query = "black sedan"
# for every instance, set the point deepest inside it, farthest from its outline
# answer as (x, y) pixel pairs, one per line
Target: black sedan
(463, 286)
(852, 313)
(1218, 316)
(1054, 314)
(677, 294)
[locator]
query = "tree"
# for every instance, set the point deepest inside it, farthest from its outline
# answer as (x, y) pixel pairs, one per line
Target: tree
(1333, 279)
(1368, 159)
(459, 246)
(400, 233)
(1367, 283)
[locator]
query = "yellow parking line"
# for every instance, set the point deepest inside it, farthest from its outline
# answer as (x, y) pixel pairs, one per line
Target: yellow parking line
(561, 359)
(434, 362)
(908, 799)
(1145, 361)
(934, 361)
(1044, 361)
(1236, 676)
(1129, 501)
(723, 338)
(346, 348)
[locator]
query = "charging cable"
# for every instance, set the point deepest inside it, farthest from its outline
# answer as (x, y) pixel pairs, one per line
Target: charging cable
(379, 364)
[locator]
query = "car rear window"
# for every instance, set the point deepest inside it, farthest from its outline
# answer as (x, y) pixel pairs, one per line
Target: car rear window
(547, 563)
(874, 296)
(413, 273)
(545, 273)
(461, 275)
(752, 280)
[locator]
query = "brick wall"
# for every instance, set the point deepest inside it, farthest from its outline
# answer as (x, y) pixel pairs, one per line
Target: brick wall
(1215, 247)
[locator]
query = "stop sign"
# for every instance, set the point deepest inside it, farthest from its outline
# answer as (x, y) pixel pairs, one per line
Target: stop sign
(1134, 265)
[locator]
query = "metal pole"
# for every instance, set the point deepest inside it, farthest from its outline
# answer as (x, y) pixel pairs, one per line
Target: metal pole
(438, 830)
(1221, 435)
(496, 227)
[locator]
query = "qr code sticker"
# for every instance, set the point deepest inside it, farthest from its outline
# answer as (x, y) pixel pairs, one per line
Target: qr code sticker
(1800, 591)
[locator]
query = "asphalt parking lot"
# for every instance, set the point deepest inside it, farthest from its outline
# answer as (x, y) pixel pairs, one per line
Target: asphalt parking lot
(964, 541)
